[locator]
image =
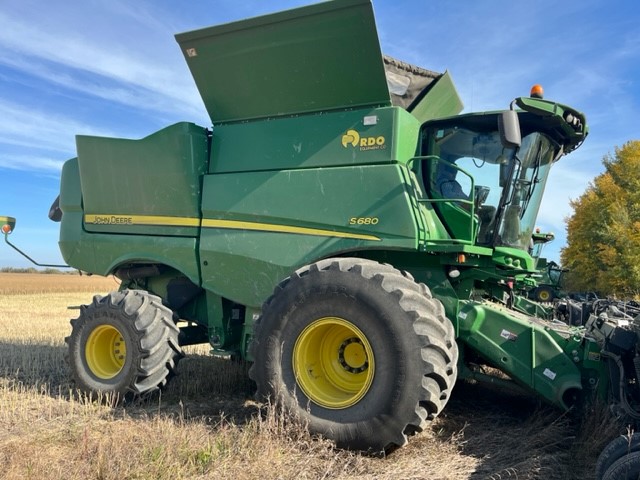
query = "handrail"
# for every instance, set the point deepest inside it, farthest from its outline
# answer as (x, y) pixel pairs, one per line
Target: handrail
(470, 201)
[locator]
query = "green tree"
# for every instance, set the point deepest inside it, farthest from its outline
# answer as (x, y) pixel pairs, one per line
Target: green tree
(603, 234)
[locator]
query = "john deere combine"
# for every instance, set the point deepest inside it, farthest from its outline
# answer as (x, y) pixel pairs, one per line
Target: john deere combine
(341, 227)
(549, 278)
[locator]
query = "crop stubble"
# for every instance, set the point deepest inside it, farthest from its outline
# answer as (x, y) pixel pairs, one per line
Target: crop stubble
(206, 426)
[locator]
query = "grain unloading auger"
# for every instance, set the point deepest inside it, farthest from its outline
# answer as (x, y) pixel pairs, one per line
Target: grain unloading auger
(341, 227)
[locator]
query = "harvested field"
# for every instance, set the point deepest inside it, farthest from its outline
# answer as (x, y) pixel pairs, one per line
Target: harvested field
(34, 283)
(206, 425)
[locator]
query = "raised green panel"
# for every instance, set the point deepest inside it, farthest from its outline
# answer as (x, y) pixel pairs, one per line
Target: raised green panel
(258, 227)
(405, 136)
(315, 58)
(364, 136)
(126, 184)
(441, 100)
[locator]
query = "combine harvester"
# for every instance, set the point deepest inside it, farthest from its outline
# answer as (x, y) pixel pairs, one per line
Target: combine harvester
(342, 228)
(549, 279)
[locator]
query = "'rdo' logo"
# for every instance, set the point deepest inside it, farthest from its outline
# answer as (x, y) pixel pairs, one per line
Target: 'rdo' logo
(354, 139)
(350, 138)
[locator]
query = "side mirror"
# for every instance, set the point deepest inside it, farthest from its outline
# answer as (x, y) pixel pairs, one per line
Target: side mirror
(7, 224)
(509, 127)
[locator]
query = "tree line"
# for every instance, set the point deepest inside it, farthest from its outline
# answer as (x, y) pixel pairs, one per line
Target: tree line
(603, 233)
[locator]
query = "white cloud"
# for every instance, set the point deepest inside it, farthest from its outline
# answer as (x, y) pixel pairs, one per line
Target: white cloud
(30, 163)
(112, 90)
(153, 77)
(26, 126)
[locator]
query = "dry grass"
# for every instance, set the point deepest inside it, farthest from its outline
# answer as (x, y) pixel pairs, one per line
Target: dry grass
(205, 425)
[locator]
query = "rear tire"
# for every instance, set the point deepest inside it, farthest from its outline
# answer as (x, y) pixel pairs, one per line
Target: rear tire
(124, 343)
(357, 350)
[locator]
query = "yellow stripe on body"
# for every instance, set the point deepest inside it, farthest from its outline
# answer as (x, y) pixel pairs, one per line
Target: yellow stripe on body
(161, 221)
(270, 227)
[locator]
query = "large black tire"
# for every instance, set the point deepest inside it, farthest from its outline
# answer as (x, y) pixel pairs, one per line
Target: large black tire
(616, 449)
(626, 467)
(125, 343)
(357, 350)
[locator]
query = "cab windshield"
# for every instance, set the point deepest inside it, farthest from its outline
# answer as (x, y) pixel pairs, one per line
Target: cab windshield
(555, 273)
(501, 187)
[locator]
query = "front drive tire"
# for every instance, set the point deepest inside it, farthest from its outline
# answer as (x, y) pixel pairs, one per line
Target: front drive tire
(125, 343)
(357, 350)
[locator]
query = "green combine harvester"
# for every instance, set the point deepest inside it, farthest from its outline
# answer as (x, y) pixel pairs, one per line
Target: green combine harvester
(342, 227)
(549, 279)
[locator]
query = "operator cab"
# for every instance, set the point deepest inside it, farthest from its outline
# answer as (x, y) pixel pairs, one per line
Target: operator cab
(485, 187)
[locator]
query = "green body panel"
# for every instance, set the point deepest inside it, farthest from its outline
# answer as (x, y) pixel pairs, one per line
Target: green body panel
(279, 221)
(126, 184)
(523, 347)
(529, 307)
(316, 58)
(102, 253)
(461, 222)
(332, 139)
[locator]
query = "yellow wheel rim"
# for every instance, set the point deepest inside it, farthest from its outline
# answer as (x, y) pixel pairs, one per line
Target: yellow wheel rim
(105, 352)
(544, 295)
(333, 363)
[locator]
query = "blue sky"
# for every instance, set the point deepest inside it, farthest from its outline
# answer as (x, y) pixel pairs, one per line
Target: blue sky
(113, 68)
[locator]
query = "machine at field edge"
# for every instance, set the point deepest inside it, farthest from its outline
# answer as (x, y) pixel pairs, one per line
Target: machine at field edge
(549, 279)
(341, 227)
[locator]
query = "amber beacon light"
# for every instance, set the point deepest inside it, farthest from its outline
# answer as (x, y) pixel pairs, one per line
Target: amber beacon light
(537, 91)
